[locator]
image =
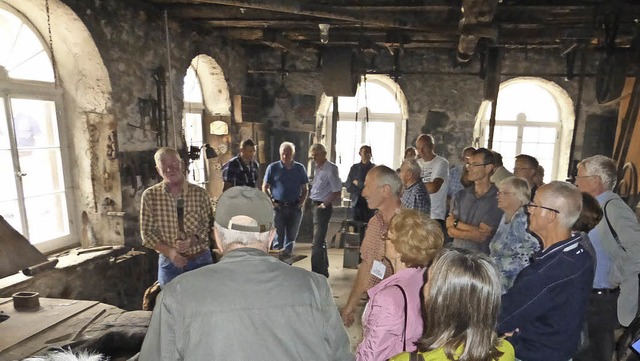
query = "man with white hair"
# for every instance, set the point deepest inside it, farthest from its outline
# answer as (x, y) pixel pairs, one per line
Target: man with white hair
(544, 312)
(326, 188)
(236, 309)
(616, 240)
(175, 219)
(286, 182)
(415, 195)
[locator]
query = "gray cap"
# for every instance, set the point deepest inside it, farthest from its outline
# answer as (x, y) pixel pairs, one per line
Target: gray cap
(248, 202)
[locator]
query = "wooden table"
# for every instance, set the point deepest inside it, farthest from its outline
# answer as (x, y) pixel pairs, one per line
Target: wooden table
(54, 324)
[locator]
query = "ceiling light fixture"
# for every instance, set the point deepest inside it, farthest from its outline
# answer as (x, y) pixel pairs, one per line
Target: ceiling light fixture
(324, 33)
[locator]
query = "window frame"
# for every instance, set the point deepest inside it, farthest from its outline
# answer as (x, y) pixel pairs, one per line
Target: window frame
(565, 123)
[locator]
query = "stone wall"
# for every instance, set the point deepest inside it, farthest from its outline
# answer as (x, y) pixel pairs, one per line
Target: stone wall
(117, 277)
(443, 98)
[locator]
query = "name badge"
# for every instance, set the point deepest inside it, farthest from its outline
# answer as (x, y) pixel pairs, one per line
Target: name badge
(378, 269)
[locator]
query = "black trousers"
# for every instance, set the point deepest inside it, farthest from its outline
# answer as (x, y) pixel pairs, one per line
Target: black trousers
(361, 211)
(602, 320)
(319, 257)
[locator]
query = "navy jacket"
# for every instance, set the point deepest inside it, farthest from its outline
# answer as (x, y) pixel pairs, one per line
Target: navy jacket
(548, 301)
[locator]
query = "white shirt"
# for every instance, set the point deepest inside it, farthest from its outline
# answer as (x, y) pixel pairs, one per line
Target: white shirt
(438, 167)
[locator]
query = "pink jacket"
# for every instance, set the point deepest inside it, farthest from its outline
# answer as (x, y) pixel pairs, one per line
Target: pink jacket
(383, 317)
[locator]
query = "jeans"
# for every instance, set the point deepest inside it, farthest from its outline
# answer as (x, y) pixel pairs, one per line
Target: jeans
(602, 320)
(319, 258)
(286, 220)
(167, 271)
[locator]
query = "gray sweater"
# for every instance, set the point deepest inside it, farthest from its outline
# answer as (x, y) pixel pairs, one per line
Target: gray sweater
(249, 306)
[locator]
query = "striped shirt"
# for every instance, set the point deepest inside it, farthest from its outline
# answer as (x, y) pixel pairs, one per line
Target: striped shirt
(373, 246)
(159, 216)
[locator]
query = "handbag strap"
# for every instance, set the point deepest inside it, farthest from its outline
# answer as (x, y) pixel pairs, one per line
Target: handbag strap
(416, 356)
(613, 231)
(404, 329)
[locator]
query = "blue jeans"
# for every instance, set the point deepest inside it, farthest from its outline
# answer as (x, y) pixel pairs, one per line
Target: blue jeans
(286, 220)
(319, 258)
(167, 271)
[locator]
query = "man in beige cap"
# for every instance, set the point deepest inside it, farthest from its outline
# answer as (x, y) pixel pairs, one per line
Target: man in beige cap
(236, 309)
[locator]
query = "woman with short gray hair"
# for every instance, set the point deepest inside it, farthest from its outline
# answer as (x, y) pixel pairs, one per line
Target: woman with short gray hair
(512, 246)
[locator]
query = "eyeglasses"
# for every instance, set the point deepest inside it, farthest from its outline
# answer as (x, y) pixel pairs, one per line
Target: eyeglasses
(585, 176)
(533, 205)
(515, 169)
(475, 165)
(504, 193)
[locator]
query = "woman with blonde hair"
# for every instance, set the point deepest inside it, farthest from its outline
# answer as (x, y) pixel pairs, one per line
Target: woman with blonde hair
(512, 246)
(461, 306)
(392, 320)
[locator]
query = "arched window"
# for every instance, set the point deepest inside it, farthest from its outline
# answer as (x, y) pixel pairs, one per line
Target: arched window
(533, 117)
(34, 194)
(192, 123)
(384, 129)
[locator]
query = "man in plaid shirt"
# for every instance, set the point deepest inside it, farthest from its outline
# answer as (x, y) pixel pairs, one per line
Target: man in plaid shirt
(415, 195)
(176, 218)
(241, 170)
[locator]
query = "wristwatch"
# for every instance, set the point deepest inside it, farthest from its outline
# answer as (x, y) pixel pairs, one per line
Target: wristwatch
(455, 223)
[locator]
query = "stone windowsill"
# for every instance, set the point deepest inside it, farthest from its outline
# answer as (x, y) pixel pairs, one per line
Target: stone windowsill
(68, 258)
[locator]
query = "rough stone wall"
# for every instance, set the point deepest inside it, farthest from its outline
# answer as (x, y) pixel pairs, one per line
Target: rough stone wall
(131, 40)
(114, 278)
(443, 99)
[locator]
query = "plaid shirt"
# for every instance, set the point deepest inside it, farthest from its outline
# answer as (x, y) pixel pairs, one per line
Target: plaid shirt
(159, 216)
(236, 172)
(416, 197)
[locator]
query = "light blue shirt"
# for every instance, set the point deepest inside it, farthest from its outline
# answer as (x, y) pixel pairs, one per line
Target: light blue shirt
(325, 181)
(286, 183)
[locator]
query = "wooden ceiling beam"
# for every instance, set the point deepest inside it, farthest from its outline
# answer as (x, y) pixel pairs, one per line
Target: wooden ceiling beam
(410, 21)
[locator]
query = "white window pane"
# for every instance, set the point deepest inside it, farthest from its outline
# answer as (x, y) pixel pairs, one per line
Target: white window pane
(7, 177)
(194, 137)
(4, 132)
(374, 96)
(11, 213)
(530, 135)
(24, 57)
(547, 164)
(507, 150)
(47, 217)
(540, 105)
(545, 135)
(35, 123)
(40, 165)
(348, 141)
(37, 67)
(530, 149)
(380, 136)
(545, 152)
(192, 90)
(509, 163)
(548, 135)
(507, 133)
(9, 27)
(193, 129)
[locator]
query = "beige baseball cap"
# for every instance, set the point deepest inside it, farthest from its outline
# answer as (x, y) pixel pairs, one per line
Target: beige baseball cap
(248, 202)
